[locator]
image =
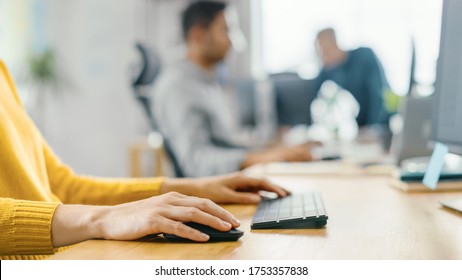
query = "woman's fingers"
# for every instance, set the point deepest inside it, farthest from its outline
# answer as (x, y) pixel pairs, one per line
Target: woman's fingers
(207, 206)
(233, 196)
(192, 214)
(177, 228)
(166, 213)
(260, 184)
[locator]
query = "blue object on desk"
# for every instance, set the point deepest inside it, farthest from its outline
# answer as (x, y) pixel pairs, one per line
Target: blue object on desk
(435, 166)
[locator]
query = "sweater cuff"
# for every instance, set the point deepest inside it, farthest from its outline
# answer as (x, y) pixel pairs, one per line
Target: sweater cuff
(31, 227)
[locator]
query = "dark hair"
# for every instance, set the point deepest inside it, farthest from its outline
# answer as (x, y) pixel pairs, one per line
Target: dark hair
(329, 31)
(200, 13)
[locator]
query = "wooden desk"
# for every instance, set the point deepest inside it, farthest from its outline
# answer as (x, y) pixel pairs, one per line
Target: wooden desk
(367, 220)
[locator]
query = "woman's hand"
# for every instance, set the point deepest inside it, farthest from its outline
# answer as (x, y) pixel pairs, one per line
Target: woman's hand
(232, 188)
(161, 214)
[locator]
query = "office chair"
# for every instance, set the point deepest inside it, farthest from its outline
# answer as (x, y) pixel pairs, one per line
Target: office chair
(176, 166)
(142, 84)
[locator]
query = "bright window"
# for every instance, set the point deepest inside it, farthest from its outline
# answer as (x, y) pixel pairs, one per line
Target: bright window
(289, 28)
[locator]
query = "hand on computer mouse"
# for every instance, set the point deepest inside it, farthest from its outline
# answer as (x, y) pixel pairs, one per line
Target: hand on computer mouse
(160, 214)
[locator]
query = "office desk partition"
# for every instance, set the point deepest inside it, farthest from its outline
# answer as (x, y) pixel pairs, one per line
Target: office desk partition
(367, 220)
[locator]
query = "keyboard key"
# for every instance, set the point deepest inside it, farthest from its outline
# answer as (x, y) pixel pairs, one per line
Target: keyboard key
(284, 214)
(271, 216)
(297, 212)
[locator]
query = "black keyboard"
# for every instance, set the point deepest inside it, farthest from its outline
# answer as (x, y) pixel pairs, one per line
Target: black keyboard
(303, 210)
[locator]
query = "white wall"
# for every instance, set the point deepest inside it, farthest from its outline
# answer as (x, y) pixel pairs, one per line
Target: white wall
(92, 123)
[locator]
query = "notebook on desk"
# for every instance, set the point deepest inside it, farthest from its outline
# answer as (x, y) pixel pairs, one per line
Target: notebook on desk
(454, 204)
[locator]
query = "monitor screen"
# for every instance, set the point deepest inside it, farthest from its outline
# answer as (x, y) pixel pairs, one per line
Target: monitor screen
(447, 107)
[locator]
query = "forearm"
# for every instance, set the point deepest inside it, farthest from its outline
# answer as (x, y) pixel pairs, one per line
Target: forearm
(187, 186)
(210, 160)
(297, 153)
(76, 223)
(253, 158)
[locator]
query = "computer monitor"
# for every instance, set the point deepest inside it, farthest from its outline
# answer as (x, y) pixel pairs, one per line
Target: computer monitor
(447, 104)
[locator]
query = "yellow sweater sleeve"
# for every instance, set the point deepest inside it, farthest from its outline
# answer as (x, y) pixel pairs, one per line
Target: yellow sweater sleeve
(26, 227)
(74, 189)
(33, 181)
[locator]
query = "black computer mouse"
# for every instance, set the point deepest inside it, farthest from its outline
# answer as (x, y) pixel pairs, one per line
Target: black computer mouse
(215, 235)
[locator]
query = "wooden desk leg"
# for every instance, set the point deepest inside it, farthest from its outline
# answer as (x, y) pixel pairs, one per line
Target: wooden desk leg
(135, 166)
(159, 156)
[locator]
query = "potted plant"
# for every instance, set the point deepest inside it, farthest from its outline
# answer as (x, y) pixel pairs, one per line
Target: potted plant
(42, 80)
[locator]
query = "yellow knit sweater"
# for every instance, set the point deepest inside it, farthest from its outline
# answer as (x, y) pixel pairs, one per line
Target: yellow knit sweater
(33, 181)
